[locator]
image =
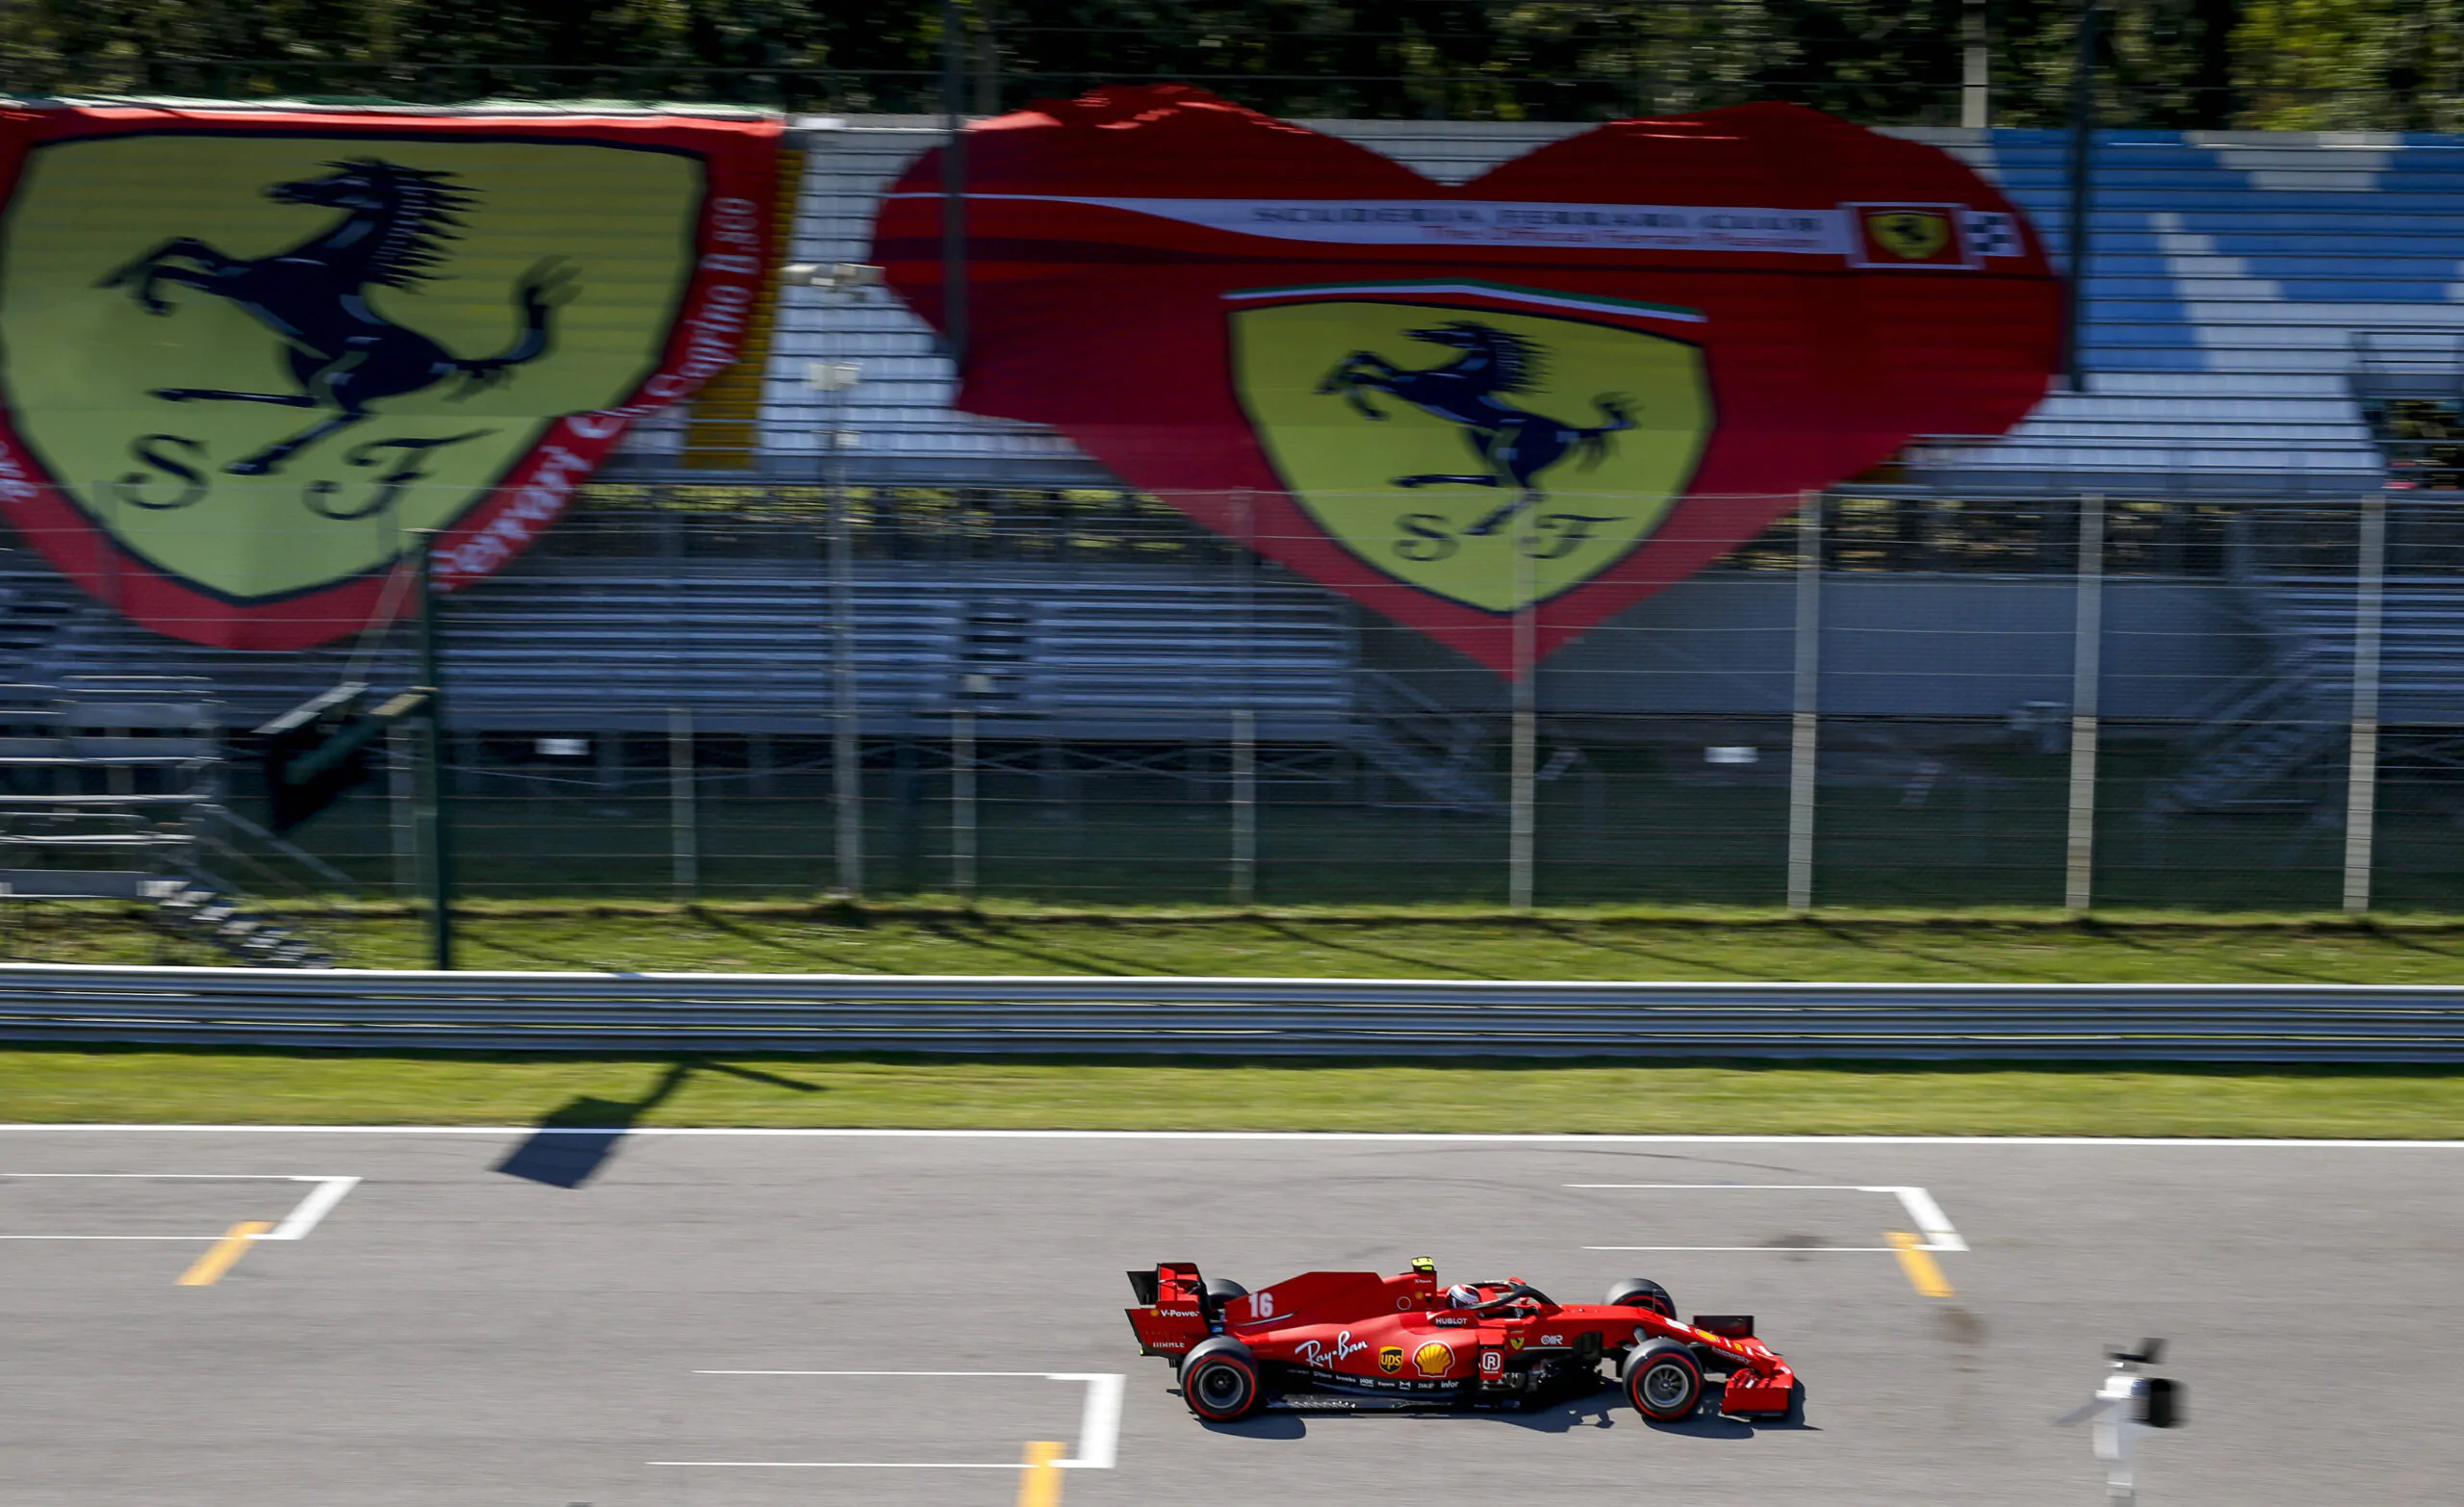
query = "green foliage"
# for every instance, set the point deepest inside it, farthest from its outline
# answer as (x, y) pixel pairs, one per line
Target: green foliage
(2347, 64)
(2343, 63)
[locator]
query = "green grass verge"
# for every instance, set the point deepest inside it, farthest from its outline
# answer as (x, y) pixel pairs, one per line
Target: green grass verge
(272, 1088)
(1430, 942)
(106, 1086)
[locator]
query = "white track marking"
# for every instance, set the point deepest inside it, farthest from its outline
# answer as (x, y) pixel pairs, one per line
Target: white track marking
(303, 1219)
(842, 1465)
(319, 1202)
(1327, 1136)
(1099, 1424)
(1922, 1208)
(1020, 1375)
(1929, 1218)
(1767, 1250)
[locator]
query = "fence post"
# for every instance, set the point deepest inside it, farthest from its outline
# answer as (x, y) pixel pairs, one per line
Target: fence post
(962, 838)
(401, 788)
(1523, 785)
(1245, 805)
(846, 747)
(1244, 716)
(436, 791)
(2361, 763)
(2087, 660)
(683, 828)
(954, 226)
(1805, 704)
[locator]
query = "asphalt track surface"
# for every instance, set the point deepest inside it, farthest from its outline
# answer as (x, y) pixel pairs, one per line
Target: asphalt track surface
(450, 1333)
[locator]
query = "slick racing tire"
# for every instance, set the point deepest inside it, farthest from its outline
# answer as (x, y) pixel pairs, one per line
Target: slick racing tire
(1663, 1380)
(1642, 1292)
(1220, 1380)
(1220, 1293)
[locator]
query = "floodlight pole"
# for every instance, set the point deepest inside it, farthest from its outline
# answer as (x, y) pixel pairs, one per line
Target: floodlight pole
(954, 274)
(434, 795)
(2082, 175)
(1976, 79)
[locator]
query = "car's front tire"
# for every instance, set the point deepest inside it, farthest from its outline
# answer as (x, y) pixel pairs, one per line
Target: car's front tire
(1663, 1380)
(1220, 1380)
(1642, 1292)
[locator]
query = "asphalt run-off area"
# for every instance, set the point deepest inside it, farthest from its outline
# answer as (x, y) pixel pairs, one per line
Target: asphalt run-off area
(307, 1317)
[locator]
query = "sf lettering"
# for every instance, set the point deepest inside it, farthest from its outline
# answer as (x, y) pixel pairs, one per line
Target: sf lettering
(1426, 538)
(174, 471)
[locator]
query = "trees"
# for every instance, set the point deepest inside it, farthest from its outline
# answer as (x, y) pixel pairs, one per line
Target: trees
(2349, 64)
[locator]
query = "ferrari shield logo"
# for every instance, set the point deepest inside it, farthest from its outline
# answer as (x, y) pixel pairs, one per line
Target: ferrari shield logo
(259, 360)
(1913, 235)
(1494, 445)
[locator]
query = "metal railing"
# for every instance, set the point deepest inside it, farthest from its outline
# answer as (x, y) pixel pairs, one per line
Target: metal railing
(974, 1016)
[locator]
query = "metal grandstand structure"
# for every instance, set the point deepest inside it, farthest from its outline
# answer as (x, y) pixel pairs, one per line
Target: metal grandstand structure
(1053, 687)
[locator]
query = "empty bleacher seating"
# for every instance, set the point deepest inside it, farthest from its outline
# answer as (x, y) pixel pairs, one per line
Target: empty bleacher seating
(1140, 652)
(2231, 276)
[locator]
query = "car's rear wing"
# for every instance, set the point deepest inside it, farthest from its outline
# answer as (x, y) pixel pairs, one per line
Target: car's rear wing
(1172, 1312)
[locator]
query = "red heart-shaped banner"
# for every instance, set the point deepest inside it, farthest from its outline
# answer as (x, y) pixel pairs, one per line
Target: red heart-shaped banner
(1557, 388)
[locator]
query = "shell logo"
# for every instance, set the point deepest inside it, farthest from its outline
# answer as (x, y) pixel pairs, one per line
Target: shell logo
(1433, 1359)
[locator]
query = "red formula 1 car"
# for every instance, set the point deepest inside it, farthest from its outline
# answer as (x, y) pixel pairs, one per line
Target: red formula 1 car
(1347, 1340)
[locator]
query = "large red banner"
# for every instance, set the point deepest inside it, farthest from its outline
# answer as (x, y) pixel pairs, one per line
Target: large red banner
(251, 358)
(1537, 395)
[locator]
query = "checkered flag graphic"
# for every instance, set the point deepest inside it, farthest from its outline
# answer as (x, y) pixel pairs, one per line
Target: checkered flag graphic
(1992, 234)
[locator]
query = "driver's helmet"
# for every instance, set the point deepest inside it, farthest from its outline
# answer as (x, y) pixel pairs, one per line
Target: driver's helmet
(1462, 1295)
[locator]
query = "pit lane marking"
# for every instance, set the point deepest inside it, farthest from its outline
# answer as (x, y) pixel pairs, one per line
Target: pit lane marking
(222, 1254)
(232, 1243)
(1923, 1210)
(1098, 1429)
(1923, 1274)
(1039, 1483)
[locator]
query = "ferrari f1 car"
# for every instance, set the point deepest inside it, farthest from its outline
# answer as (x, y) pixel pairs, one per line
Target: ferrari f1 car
(1349, 1340)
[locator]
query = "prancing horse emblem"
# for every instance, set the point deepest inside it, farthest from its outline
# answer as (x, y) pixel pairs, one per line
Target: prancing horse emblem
(344, 353)
(1515, 444)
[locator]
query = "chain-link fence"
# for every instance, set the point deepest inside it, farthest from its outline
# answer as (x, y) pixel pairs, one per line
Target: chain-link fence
(1082, 697)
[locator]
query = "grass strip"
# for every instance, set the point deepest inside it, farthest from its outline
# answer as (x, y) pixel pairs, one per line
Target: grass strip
(1427, 942)
(252, 1086)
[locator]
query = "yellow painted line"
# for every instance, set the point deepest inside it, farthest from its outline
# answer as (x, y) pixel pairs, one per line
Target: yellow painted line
(219, 1257)
(1039, 1482)
(1918, 1262)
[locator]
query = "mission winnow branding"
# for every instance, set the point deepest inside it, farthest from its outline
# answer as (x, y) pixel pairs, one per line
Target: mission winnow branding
(252, 358)
(1528, 399)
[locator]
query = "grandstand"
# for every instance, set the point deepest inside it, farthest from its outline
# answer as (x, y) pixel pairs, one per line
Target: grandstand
(2272, 320)
(2237, 280)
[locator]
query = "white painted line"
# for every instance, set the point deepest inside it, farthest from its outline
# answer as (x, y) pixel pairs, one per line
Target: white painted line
(113, 1237)
(303, 1219)
(2189, 1142)
(319, 1202)
(1023, 1375)
(840, 1465)
(1743, 1188)
(1929, 1218)
(1098, 1422)
(1922, 1208)
(1768, 1250)
(1099, 1425)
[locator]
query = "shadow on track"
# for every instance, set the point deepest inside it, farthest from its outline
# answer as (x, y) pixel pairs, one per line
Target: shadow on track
(1605, 1408)
(573, 1140)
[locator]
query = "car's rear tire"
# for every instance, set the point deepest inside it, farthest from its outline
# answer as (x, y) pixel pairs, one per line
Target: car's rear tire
(1663, 1380)
(1220, 1380)
(1223, 1290)
(1642, 1292)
